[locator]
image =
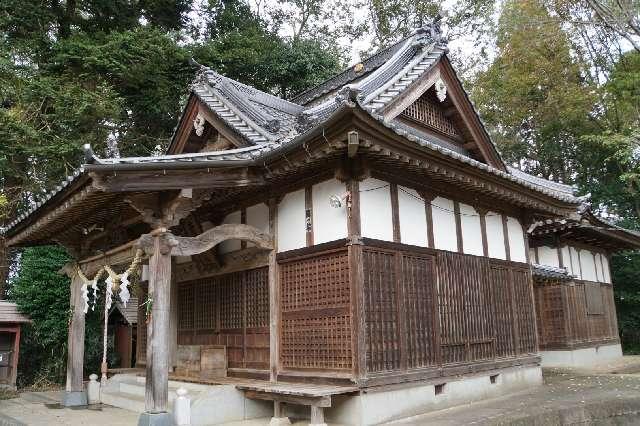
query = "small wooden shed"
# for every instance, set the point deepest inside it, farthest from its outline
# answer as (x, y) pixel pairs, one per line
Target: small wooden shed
(123, 321)
(11, 321)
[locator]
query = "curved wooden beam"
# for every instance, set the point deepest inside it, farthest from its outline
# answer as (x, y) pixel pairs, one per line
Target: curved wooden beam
(189, 246)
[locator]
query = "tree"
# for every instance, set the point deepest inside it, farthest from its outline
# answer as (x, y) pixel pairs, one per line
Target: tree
(534, 96)
(43, 294)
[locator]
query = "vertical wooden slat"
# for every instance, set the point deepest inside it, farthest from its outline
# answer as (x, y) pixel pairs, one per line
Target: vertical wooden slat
(505, 233)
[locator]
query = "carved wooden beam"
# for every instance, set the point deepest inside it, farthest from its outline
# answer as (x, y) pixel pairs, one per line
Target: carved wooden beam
(159, 213)
(189, 246)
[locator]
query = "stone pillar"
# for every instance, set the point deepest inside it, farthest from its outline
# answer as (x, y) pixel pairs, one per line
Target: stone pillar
(157, 380)
(74, 394)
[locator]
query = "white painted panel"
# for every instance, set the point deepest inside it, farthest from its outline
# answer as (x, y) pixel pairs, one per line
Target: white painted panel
(291, 222)
(495, 235)
(516, 240)
(599, 274)
(471, 230)
(329, 223)
(230, 245)
(258, 216)
(548, 256)
(588, 264)
(606, 268)
(444, 224)
(566, 259)
(375, 210)
(575, 263)
(413, 218)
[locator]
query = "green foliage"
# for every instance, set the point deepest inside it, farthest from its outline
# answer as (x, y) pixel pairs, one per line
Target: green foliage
(533, 95)
(43, 294)
(626, 276)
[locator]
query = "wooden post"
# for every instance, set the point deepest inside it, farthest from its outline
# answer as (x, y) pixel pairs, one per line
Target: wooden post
(74, 393)
(158, 345)
(274, 306)
(14, 358)
(317, 416)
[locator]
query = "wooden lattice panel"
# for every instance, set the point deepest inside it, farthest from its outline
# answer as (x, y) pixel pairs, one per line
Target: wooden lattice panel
(526, 319)
(579, 326)
(257, 299)
(419, 301)
(316, 318)
(316, 282)
(550, 314)
(206, 308)
(186, 294)
(230, 310)
(467, 326)
(381, 307)
(426, 310)
(502, 311)
(427, 112)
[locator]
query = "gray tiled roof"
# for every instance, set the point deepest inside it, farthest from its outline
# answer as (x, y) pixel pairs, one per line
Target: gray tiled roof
(546, 271)
(268, 123)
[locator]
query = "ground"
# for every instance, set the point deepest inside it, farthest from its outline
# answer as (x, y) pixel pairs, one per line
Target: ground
(607, 395)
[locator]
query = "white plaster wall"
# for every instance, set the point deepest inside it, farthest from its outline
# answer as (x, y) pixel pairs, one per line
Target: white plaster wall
(378, 407)
(375, 210)
(606, 268)
(566, 259)
(230, 245)
(495, 235)
(471, 230)
(413, 218)
(575, 264)
(292, 233)
(548, 256)
(532, 255)
(258, 216)
(516, 240)
(329, 223)
(587, 262)
(444, 224)
(598, 261)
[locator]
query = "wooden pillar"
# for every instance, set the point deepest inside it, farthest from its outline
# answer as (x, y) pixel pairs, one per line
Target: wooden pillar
(157, 380)
(14, 358)
(274, 304)
(317, 416)
(74, 392)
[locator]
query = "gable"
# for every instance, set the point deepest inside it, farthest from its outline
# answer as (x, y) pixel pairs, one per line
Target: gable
(200, 130)
(436, 104)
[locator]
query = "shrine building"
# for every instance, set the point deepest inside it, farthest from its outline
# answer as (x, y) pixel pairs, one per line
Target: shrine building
(358, 253)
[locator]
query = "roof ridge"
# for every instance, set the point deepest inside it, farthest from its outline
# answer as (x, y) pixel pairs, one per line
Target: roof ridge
(370, 61)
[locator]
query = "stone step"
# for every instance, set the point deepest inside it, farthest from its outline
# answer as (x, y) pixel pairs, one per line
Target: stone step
(128, 402)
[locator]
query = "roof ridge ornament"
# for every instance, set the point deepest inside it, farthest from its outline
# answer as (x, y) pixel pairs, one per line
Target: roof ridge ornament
(431, 32)
(349, 95)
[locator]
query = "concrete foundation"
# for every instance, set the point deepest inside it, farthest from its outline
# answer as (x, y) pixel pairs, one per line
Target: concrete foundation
(74, 399)
(373, 407)
(581, 357)
(156, 419)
